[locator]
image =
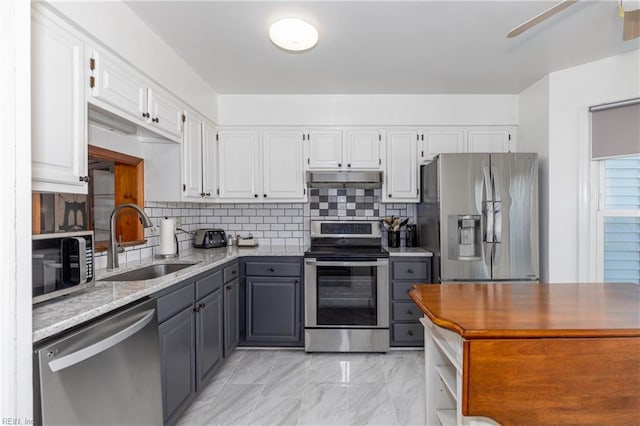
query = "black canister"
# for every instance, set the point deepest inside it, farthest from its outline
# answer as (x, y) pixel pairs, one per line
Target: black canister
(393, 239)
(411, 236)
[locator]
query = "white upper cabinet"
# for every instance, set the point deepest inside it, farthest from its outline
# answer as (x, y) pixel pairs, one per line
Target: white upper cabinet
(118, 88)
(439, 141)
(239, 164)
(401, 167)
(113, 84)
(261, 166)
(325, 149)
(210, 160)
(192, 157)
(283, 155)
(165, 112)
(363, 149)
(491, 139)
(58, 109)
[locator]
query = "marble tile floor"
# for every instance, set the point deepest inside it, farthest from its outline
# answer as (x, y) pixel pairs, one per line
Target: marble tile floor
(288, 387)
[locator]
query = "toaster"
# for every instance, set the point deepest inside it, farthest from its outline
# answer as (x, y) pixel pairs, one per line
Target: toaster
(210, 238)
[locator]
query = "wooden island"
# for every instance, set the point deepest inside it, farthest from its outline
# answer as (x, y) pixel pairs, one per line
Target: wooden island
(531, 353)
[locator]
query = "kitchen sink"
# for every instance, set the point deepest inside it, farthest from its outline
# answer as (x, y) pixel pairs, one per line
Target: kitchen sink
(148, 272)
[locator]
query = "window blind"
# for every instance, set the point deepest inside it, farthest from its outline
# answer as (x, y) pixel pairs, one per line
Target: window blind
(615, 129)
(621, 224)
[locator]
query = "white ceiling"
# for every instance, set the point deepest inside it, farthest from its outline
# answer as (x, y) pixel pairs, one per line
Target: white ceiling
(384, 47)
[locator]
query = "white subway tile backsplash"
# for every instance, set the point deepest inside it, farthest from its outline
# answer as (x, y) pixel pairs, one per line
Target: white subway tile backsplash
(270, 223)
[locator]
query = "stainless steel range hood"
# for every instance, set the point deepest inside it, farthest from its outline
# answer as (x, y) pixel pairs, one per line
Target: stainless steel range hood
(344, 179)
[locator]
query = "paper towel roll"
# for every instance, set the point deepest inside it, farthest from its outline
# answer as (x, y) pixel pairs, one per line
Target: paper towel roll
(167, 236)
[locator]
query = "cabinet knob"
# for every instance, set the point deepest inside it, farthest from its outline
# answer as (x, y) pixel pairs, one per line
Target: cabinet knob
(202, 305)
(349, 165)
(202, 194)
(410, 312)
(255, 195)
(228, 287)
(389, 195)
(156, 120)
(271, 270)
(410, 271)
(339, 164)
(146, 114)
(196, 309)
(410, 332)
(264, 195)
(208, 194)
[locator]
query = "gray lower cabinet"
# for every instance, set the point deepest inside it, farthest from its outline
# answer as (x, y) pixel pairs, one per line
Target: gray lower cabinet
(177, 347)
(190, 317)
(273, 297)
(209, 337)
(406, 329)
(231, 309)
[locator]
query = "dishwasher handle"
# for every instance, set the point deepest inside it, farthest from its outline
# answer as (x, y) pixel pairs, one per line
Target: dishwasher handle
(101, 346)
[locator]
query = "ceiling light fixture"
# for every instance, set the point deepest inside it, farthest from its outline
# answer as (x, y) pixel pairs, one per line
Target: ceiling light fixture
(293, 34)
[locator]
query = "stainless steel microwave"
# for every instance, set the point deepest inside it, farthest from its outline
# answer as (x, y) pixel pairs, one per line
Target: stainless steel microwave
(61, 263)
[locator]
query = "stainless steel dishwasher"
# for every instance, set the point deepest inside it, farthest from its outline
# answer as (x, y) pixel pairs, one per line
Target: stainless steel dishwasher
(105, 373)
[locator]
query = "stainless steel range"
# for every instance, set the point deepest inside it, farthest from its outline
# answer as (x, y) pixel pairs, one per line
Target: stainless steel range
(346, 288)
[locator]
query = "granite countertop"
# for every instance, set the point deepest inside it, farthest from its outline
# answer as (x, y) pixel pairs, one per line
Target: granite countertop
(409, 251)
(53, 317)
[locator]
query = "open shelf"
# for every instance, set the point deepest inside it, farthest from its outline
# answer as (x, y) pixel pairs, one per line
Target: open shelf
(447, 417)
(448, 375)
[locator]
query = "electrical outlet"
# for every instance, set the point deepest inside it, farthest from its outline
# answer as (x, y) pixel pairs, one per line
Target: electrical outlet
(154, 231)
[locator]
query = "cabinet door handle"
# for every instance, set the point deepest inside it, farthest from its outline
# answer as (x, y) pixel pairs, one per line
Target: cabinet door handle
(208, 194)
(202, 194)
(410, 332)
(146, 115)
(156, 120)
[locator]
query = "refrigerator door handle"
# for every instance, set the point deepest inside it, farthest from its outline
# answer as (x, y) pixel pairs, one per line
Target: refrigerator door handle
(497, 208)
(487, 208)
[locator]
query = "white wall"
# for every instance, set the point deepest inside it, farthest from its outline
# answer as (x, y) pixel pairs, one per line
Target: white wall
(533, 136)
(571, 92)
(15, 219)
(117, 26)
(126, 144)
(368, 110)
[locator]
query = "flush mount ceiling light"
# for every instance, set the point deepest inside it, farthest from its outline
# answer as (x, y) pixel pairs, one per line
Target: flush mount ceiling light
(293, 34)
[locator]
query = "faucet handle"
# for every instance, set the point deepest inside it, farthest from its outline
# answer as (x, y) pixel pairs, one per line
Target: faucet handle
(119, 246)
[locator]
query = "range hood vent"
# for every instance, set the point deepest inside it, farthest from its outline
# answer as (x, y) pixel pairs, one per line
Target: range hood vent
(340, 179)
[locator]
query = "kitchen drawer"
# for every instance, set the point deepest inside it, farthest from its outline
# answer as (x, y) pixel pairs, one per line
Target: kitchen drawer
(174, 302)
(403, 311)
(231, 272)
(407, 332)
(208, 284)
(400, 291)
(416, 271)
(273, 269)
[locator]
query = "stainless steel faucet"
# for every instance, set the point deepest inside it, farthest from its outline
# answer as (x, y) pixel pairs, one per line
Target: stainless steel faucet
(112, 253)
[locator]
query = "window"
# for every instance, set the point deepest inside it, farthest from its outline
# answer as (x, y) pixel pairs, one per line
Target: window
(618, 220)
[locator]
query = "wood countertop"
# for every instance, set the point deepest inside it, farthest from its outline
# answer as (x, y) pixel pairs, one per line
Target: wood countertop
(529, 310)
(542, 353)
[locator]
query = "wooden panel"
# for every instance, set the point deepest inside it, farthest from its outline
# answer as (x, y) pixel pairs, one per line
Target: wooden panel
(482, 311)
(553, 381)
(127, 190)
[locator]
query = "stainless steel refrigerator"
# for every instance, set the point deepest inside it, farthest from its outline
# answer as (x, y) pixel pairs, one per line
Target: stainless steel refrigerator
(478, 214)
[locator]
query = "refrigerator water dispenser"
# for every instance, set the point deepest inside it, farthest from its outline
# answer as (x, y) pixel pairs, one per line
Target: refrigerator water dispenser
(465, 242)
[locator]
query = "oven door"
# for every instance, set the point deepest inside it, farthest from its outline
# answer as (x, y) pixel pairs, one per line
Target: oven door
(347, 294)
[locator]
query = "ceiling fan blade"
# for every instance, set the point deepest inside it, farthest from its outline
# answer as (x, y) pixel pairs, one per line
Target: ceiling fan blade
(541, 17)
(631, 28)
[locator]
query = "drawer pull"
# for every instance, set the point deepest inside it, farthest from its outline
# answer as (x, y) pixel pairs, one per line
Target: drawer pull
(271, 270)
(410, 271)
(409, 311)
(410, 332)
(228, 287)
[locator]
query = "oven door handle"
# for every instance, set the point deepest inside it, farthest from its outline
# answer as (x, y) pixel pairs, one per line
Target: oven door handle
(313, 262)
